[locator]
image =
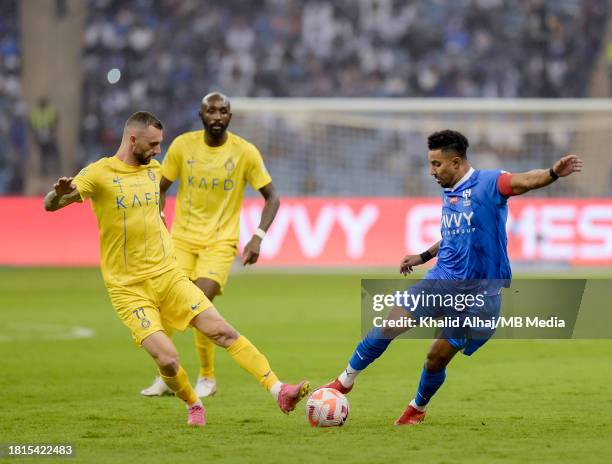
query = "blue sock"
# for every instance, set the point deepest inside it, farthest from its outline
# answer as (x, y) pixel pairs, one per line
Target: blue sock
(369, 349)
(428, 386)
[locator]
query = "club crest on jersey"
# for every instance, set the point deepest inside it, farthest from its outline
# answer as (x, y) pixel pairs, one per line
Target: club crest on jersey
(151, 174)
(467, 193)
(229, 165)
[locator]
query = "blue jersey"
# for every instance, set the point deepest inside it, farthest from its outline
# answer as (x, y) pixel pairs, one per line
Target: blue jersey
(474, 242)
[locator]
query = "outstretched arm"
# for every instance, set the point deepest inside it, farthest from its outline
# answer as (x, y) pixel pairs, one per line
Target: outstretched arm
(250, 254)
(63, 194)
(415, 260)
(538, 178)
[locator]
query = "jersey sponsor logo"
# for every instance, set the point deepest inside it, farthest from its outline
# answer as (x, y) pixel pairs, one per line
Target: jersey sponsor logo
(195, 306)
(136, 201)
(457, 219)
(213, 183)
(457, 223)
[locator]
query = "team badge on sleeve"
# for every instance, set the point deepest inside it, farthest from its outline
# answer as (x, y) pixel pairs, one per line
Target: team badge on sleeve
(142, 317)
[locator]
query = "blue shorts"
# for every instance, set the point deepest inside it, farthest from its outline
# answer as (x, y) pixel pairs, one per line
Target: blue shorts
(469, 314)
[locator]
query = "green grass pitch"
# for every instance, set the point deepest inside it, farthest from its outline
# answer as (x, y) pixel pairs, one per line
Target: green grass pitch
(513, 401)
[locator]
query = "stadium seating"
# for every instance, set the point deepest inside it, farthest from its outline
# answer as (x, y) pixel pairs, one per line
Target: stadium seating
(170, 53)
(13, 150)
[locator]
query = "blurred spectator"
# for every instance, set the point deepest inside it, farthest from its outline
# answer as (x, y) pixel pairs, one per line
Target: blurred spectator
(61, 9)
(13, 150)
(43, 123)
(609, 62)
(170, 52)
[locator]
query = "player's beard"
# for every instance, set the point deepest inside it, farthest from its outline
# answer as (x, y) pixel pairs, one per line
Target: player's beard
(142, 157)
(441, 183)
(216, 132)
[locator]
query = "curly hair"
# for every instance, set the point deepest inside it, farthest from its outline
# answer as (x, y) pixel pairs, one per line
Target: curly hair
(449, 141)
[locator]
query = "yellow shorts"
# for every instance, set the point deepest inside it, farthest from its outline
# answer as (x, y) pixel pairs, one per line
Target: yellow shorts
(212, 262)
(170, 297)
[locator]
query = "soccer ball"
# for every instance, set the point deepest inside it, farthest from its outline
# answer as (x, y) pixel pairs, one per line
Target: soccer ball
(327, 407)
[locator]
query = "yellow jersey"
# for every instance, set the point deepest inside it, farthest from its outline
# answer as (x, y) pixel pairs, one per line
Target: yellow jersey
(134, 243)
(212, 183)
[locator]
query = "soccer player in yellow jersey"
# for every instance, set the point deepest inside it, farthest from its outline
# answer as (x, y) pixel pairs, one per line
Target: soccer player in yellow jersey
(145, 285)
(214, 167)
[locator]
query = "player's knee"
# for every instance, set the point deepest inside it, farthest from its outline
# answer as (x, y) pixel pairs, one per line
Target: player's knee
(168, 362)
(435, 362)
(389, 333)
(223, 334)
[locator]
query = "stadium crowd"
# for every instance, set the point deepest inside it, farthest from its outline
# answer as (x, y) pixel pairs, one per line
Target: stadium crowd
(13, 126)
(171, 52)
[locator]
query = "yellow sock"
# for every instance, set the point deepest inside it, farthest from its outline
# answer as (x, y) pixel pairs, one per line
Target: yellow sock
(206, 352)
(181, 387)
(251, 360)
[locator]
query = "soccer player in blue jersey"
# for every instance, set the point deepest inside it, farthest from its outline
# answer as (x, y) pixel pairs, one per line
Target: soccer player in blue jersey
(473, 248)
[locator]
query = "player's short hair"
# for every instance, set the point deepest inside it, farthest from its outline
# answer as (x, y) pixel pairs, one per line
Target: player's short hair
(144, 119)
(218, 95)
(449, 141)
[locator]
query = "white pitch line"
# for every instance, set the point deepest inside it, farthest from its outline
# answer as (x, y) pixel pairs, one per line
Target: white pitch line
(44, 332)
